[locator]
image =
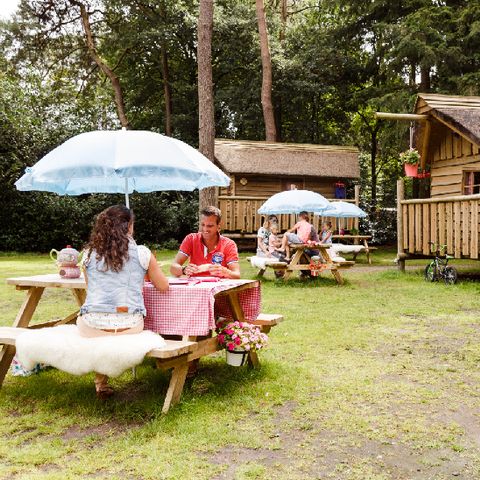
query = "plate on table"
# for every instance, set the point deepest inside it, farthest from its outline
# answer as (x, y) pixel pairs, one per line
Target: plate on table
(178, 281)
(205, 279)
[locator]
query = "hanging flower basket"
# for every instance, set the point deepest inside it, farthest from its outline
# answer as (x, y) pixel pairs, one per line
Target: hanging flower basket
(410, 159)
(411, 169)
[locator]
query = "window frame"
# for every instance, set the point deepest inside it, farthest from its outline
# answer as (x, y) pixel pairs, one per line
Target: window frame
(471, 172)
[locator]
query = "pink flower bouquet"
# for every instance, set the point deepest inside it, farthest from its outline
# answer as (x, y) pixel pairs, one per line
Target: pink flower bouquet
(240, 336)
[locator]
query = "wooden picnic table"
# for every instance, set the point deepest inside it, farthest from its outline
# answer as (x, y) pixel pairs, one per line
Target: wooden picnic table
(300, 261)
(356, 240)
(176, 355)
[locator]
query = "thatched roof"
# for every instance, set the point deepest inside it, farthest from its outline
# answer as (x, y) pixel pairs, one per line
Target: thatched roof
(461, 114)
(263, 158)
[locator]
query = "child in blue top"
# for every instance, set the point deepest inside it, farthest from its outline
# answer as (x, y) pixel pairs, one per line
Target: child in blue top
(326, 234)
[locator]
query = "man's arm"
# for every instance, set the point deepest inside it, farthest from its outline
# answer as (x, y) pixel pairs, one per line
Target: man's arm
(177, 268)
(232, 270)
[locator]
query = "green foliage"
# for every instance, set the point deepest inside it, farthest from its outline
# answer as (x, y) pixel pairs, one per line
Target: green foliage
(335, 63)
(36, 221)
(410, 156)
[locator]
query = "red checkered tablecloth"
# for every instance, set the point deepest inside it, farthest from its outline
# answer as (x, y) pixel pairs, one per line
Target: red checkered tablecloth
(191, 309)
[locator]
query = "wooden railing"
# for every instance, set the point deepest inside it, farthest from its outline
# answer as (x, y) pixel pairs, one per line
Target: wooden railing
(451, 221)
(239, 216)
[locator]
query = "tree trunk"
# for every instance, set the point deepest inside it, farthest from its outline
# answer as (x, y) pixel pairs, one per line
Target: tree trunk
(267, 106)
(167, 92)
(283, 19)
(424, 79)
(117, 88)
(412, 75)
(373, 164)
(278, 119)
(206, 120)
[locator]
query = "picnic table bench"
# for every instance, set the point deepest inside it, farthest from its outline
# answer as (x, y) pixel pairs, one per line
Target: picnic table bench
(176, 355)
(361, 241)
(300, 262)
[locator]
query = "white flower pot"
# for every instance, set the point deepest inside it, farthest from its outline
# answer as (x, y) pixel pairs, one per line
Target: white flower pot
(236, 358)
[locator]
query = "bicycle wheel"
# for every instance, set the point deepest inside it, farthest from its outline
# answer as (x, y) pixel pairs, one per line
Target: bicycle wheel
(449, 275)
(430, 272)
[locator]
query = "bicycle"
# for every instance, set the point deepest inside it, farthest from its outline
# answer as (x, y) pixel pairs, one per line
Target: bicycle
(438, 268)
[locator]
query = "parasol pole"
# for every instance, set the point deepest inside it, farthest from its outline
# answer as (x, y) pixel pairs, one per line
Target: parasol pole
(127, 203)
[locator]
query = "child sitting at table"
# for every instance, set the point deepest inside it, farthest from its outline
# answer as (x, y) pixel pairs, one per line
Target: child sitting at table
(274, 243)
(114, 267)
(326, 235)
(303, 230)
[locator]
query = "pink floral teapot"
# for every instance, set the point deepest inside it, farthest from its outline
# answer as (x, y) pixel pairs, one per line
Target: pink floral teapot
(67, 261)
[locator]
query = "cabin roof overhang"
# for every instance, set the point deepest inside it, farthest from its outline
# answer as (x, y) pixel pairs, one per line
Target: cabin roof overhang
(460, 114)
(286, 159)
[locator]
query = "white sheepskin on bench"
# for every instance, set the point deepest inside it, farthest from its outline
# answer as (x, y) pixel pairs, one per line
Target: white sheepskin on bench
(63, 348)
(341, 248)
(262, 262)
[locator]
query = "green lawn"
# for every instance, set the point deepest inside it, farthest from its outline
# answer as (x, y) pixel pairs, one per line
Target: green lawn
(376, 379)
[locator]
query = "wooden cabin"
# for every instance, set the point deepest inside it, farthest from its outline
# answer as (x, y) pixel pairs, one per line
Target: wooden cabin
(448, 139)
(258, 170)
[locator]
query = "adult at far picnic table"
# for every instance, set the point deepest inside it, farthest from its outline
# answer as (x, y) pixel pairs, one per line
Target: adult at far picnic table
(299, 233)
(208, 253)
(263, 235)
(115, 267)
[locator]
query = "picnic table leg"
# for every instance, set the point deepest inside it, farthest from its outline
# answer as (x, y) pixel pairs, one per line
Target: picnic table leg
(22, 320)
(367, 251)
(175, 387)
(235, 307)
(193, 364)
(293, 262)
(80, 294)
(328, 260)
(253, 360)
(338, 277)
(287, 274)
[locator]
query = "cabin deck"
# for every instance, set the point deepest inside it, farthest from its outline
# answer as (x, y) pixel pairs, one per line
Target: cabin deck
(451, 221)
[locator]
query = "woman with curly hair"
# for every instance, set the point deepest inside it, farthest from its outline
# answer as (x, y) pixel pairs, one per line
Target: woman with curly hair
(114, 268)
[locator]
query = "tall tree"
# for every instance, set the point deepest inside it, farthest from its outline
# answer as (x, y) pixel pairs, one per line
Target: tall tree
(101, 63)
(267, 104)
(58, 35)
(206, 117)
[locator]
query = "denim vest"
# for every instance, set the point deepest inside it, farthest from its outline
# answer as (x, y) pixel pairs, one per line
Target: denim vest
(109, 290)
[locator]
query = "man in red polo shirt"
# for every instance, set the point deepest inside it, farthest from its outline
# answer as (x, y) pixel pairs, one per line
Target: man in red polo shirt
(208, 252)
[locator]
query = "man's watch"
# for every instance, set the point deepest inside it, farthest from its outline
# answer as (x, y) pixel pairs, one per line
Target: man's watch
(183, 269)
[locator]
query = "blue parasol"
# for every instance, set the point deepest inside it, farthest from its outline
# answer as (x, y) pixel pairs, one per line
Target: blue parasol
(343, 210)
(121, 161)
(294, 201)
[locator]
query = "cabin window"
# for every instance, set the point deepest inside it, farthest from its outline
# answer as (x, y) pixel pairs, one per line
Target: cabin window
(471, 182)
(292, 183)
